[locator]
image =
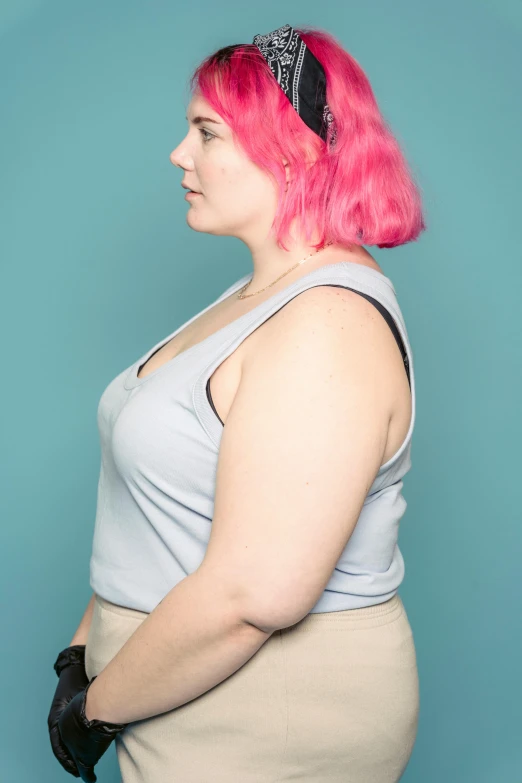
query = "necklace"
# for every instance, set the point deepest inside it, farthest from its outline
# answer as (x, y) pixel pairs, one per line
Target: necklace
(245, 296)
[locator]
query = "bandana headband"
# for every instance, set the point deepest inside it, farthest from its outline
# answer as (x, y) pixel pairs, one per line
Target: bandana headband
(301, 77)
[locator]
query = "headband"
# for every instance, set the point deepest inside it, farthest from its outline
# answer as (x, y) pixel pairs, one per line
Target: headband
(301, 77)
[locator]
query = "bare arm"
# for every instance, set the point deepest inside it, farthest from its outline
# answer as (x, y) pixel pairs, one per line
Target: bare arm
(80, 637)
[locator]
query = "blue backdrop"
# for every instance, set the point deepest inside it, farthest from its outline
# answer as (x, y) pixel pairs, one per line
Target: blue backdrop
(98, 264)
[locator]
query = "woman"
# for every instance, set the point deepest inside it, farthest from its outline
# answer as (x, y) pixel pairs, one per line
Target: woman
(245, 622)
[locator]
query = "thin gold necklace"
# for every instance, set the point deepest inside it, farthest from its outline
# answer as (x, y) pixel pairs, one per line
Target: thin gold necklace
(245, 296)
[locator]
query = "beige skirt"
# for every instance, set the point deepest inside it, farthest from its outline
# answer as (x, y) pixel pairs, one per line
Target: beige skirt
(331, 699)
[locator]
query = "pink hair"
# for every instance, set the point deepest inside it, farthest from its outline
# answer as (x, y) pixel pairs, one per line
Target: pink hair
(360, 191)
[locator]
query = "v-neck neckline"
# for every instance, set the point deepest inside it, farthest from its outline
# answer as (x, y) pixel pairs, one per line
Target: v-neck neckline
(132, 380)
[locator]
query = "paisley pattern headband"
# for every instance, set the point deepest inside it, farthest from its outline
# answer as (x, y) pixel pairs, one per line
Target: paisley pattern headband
(301, 77)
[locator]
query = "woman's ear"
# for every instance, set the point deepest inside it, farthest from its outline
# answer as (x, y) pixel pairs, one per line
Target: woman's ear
(287, 172)
(311, 157)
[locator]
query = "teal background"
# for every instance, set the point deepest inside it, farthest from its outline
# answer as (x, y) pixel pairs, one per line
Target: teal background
(98, 264)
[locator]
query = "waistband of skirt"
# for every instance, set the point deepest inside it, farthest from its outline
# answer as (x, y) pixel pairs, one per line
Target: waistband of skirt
(362, 617)
(376, 614)
(124, 611)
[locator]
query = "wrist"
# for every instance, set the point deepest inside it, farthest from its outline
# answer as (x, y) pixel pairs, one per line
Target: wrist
(91, 710)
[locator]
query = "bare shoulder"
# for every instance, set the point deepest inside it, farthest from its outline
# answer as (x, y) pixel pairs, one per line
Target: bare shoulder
(328, 304)
(332, 313)
(351, 329)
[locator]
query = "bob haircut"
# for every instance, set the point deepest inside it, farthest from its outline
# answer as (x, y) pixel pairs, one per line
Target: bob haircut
(360, 191)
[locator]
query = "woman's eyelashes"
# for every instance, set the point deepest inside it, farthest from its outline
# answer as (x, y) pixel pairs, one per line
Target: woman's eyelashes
(205, 140)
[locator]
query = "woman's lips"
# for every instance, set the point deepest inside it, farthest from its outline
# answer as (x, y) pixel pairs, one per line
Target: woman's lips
(192, 193)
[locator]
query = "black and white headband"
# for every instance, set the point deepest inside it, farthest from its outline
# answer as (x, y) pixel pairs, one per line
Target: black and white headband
(301, 77)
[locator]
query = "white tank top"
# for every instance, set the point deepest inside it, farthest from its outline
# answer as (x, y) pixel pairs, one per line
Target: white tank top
(160, 437)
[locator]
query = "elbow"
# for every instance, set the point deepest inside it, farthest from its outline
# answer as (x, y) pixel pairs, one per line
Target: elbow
(280, 609)
(268, 608)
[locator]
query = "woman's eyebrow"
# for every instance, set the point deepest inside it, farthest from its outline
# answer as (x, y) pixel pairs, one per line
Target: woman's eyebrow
(198, 120)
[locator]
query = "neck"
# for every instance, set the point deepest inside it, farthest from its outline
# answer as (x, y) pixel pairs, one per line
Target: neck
(271, 262)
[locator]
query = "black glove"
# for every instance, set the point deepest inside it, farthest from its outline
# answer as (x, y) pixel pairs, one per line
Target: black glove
(72, 678)
(86, 740)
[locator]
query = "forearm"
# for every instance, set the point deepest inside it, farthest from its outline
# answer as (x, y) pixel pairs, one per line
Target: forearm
(80, 636)
(194, 639)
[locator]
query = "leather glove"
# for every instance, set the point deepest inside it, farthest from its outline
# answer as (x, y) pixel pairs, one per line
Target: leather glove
(72, 678)
(86, 740)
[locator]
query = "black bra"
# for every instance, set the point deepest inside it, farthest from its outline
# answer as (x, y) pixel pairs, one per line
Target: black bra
(385, 314)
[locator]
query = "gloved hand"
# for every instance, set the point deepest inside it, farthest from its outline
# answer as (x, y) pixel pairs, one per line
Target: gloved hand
(72, 678)
(86, 740)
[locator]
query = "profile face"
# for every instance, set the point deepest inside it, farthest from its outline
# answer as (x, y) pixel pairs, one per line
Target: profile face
(235, 197)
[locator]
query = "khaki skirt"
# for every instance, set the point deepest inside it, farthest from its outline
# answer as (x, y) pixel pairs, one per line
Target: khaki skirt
(331, 699)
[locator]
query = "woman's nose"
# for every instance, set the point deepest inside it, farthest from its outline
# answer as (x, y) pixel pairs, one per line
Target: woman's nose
(180, 156)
